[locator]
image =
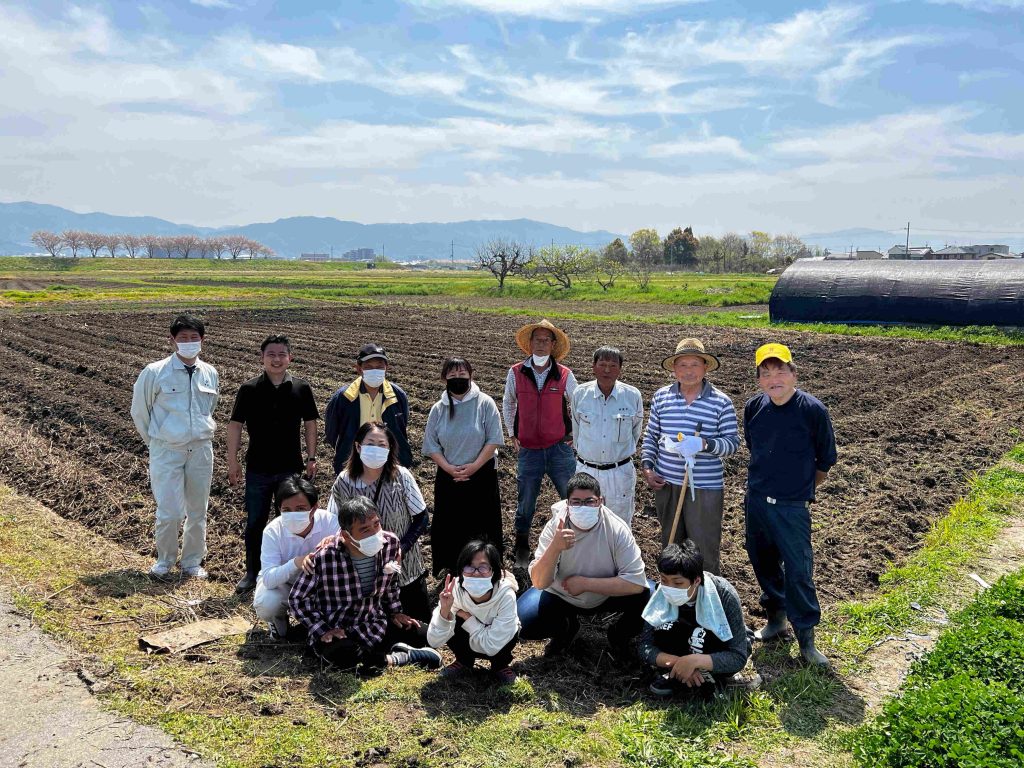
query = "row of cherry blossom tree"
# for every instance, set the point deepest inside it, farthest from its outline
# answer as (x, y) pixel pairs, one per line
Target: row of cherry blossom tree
(77, 243)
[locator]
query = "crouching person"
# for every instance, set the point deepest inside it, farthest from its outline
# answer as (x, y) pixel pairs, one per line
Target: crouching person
(476, 614)
(693, 626)
(587, 562)
(289, 542)
(349, 600)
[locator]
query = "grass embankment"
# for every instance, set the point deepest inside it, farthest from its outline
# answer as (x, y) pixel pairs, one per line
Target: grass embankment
(98, 280)
(243, 707)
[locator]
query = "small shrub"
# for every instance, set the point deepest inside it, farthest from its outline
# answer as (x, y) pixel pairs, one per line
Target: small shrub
(959, 722)
(989, 648)
(1005, 598)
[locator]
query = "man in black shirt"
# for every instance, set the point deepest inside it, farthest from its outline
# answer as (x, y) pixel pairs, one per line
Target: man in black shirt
(792, 447)
(272, 407)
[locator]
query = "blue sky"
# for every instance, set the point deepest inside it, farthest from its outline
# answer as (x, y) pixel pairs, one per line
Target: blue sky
(615, 114)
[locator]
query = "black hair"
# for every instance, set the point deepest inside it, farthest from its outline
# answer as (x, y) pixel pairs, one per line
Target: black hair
(608, 353)
(469, 552)
(358, 509)
(293, 485)
(791, 366)
(186, 321)
(276, 338)
(454, 364)
(354, 466)
(683, 560)
(582, 481)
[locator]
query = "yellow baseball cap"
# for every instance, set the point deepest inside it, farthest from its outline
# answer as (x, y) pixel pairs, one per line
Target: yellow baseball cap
(767, 351)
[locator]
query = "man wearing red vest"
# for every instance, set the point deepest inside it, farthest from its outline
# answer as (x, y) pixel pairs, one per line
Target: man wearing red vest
(538, 391)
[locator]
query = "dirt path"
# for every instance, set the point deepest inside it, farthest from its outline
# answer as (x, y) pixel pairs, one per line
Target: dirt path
(49, 719)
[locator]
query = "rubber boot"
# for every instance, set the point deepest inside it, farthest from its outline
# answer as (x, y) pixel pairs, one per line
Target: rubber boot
(522, 550)
(805, 637)
(776, 626)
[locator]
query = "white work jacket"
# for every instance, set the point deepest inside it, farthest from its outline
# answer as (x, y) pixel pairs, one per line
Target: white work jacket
(171, 407)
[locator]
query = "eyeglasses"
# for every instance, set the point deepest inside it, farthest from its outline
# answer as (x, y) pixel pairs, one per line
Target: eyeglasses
(590, 501)
(480, 570)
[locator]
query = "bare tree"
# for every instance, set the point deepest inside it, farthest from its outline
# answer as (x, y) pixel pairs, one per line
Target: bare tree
(73, 240)
(51, 242)
(235, 244)
(559, 265)
(647, 252)
(94, 242)
(132, 244)
(253, 247)
(267, 252)
(504, 258)
(112, 243)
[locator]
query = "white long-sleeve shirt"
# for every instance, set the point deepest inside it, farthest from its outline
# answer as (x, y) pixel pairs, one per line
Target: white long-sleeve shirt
(606, 429)
(170, 406)
(281, 547)
(491, 624)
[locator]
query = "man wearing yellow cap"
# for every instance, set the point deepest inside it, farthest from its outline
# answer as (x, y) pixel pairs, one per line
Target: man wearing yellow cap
(792, 446)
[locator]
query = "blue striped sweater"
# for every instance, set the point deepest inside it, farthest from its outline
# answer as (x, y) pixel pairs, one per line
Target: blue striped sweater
(670, 415)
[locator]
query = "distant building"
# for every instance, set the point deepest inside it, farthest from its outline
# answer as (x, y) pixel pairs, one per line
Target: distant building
(314, 257)
(862, 254)
(973, 252)
(914, 254)
(359, 254)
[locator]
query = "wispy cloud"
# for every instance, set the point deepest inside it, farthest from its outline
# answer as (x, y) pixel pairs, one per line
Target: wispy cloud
(557, 10)
(702, 145)
(989, 6)
(861, 58)
(225, 4)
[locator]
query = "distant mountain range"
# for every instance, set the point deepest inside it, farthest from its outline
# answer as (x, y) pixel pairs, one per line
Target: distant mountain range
(878, 239)
(301, 234)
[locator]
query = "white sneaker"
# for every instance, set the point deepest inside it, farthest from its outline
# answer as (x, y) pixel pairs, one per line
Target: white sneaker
(196, 572)
(159, 571)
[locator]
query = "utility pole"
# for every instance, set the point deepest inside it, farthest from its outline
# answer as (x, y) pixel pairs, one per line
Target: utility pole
(453, 254)
(906, 254)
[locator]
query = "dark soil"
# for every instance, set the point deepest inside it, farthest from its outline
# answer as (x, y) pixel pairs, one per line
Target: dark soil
(913, 419)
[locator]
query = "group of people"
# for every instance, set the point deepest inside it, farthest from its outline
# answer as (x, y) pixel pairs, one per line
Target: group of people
(353, 572)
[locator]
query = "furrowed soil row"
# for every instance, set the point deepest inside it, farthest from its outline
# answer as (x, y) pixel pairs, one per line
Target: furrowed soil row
(913, 419)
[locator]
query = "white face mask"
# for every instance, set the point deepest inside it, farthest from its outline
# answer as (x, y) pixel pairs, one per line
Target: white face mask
(477, 586)
(677, 595)
(584, 518)
(374, 377)
(374, 456)
(541, 360)
(371, 545)
(189, 349)
(295, 522)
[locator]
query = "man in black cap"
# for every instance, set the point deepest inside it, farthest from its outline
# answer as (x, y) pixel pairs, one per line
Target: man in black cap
(370, 397)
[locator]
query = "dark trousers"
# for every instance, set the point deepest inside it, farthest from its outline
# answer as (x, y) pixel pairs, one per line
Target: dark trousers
(779, 547)
(459, 645)
(414, 598)
(348, 653)
(259, 492)
(545, 614)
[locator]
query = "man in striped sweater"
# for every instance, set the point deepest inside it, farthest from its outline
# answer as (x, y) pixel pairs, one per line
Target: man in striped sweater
(706, 419)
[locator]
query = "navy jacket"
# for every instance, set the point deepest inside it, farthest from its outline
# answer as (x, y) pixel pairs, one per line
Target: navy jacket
(341, 421)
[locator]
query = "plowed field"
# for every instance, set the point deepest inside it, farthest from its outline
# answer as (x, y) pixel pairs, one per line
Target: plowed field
(913, 419)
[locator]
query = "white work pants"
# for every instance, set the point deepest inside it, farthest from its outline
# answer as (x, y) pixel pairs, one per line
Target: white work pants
(180, 477)
(618, 486)
(271, 605)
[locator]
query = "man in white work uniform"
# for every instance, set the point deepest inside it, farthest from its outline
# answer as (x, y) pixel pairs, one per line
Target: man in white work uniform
(607, 419)
(172, 407)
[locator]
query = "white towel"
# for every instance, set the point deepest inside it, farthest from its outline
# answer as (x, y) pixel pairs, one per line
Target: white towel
(710, 613)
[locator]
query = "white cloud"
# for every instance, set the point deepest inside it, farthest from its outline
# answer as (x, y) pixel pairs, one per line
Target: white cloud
(283, 59)
(557, 10)
(226, 4)
(702, 145)
(990, 6)
(860, 59)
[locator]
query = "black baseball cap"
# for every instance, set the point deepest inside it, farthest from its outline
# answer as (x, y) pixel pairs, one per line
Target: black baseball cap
(370, 351)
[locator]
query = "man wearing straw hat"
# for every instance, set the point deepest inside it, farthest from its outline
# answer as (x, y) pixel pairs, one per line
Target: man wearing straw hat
(792, 448)
(692, 425)
(538, 391)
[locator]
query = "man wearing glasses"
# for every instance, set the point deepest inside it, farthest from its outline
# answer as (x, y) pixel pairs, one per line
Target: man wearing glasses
(538, 391)
(587, 562)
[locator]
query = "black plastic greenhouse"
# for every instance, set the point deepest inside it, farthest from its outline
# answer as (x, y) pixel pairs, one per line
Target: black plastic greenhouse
(904, 292)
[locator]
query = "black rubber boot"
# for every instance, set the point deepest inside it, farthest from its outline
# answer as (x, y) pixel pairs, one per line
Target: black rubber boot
(805, 637)
(776, 625)
(522, 550)
(246, 584)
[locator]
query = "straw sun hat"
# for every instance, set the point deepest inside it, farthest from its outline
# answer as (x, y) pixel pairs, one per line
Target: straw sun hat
(691, 347)
(559, 349)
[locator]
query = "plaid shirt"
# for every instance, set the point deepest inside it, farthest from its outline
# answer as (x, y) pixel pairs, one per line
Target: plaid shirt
(331, 596)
